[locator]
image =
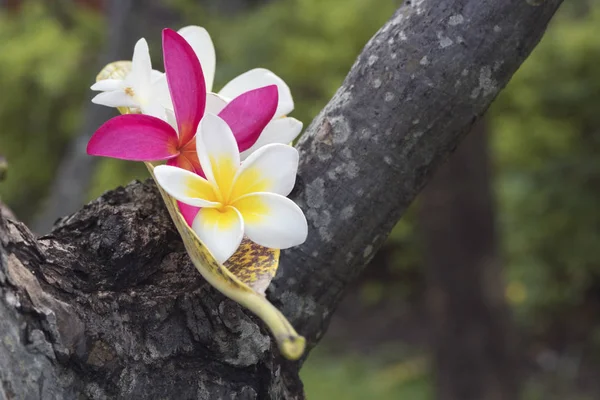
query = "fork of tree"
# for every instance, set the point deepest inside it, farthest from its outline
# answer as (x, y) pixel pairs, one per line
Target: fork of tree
(108, 304)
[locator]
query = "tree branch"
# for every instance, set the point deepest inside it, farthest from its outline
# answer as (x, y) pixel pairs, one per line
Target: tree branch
(415, 91)
(109, 305)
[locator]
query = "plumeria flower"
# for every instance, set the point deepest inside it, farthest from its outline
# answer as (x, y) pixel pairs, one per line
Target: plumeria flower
(141, 89)
(238, 199)
(148, 138)
(282, 129)
(146, 90)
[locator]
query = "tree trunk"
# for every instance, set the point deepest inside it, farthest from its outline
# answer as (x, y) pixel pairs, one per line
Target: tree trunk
(109, 306)
(471, 332)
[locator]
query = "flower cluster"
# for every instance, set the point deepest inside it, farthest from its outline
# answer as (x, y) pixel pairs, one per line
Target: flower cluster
(228, 161)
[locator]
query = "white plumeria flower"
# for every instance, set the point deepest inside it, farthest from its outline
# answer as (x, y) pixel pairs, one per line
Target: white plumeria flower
(238, 199)
(142, 88)
(281, 129)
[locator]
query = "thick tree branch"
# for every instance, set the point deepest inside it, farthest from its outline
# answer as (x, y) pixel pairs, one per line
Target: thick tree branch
(414, 92)
(109, 306)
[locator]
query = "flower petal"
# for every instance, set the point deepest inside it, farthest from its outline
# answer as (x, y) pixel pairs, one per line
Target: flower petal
(249, 113)
(134, 137)
(186, 186)
(272, 220)
(186, 84)
(280, 130)
(203, 46)
(170, 118)
(116, 98)
(221, 230)
(154, 110)
(186, 162)
(218, 152)
(140, 76)
(214, 103)
(107, 85)
(188, 212)
(272, 169)
(160, 92)
(156, 75)
(256, 78)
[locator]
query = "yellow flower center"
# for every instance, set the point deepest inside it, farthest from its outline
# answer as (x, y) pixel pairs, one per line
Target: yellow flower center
(228, 193)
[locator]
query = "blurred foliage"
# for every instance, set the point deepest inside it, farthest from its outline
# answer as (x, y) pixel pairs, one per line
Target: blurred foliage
(311, 44)
(546, 127)
(353, 377)
(44, 82)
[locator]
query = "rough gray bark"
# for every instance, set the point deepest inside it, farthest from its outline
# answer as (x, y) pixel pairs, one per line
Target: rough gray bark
(471, 335)
(109, 306)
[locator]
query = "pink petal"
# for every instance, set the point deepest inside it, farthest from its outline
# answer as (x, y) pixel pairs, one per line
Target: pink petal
(188, 212)
(249, 113)
(186, 84)
(134, 137)
(188, 162)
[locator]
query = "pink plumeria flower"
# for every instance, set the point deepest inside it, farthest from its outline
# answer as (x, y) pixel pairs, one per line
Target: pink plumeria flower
(281, 129)
(139, 137)
(142, 89)
(146, 90)
(238, 200)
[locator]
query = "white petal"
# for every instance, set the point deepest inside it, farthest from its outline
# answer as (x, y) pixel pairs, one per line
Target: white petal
(117, 98)
(107, 85)
(156, 75)
(155, 110)
(160, 92)
(186, 186)
(203, 46)
(218, 152)
(214, 103)
(270, 169)
(260, 77)
(272, 220)
(220, 230)
(141, 69)
(171, 118)
(280, 130)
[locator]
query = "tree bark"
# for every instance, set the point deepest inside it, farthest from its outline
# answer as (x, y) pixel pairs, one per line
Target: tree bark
(472, 337)
(109, 306)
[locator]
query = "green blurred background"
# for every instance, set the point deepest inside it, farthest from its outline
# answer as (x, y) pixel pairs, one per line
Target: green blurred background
(543, 137)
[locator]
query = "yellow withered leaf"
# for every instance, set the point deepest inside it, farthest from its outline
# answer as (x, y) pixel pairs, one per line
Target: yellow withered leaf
(254, 265)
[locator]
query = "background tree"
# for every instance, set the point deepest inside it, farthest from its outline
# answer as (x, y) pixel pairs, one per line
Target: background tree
(473, 338)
